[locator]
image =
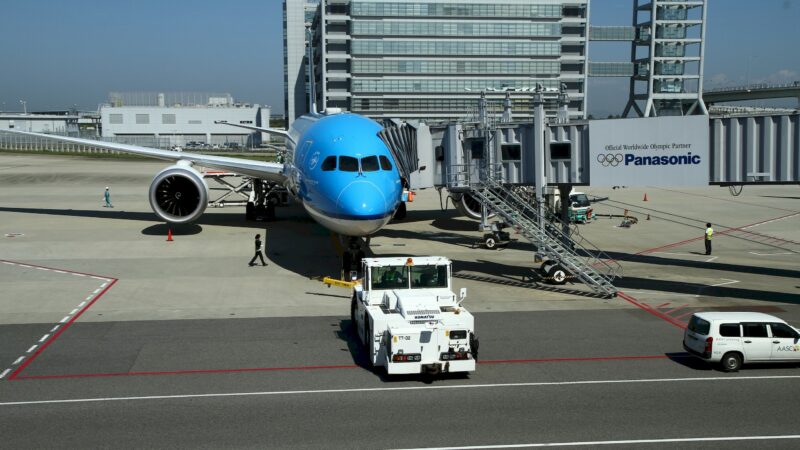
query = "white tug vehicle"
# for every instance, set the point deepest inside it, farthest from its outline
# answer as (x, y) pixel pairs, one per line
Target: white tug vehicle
(409, 319)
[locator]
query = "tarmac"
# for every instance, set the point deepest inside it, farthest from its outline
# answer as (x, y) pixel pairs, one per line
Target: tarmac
(52, 215)
(112, 334)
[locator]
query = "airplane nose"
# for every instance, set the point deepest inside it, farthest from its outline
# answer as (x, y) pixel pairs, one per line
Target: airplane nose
(362, 199)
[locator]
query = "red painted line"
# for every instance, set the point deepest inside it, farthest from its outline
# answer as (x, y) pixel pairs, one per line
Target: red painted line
(62, 270)
(591, 358)
(721, 233)
(675, 309)
(635, 302)
(663, 305)
(61, 330)
(335, 367)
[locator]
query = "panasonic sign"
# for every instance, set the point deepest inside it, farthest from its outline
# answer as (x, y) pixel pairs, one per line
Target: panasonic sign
(657, 151)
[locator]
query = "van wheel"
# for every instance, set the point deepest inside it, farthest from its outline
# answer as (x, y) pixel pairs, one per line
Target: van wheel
(731, 362)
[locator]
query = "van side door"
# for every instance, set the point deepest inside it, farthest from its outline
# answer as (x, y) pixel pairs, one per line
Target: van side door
(756, 343)
(785, 345)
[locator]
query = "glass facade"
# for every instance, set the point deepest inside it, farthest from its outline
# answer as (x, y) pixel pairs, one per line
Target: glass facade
(463, 48)
(612, 33)
(441, 85)
(460, 29)
(462, 67)
(431, 9)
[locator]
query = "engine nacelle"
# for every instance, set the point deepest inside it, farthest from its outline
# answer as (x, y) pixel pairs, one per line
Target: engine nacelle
(178, 194)
(468, 205)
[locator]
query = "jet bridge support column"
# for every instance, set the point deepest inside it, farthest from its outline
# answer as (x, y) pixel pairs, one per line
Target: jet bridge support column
(538, 151)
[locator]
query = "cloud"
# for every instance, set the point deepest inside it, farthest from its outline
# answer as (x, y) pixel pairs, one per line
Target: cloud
(782, 76)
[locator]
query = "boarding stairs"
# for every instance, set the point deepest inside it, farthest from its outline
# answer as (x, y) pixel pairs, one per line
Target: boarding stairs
(583, 260)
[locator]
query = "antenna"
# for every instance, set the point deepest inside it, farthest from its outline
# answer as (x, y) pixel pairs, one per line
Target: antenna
(312, 99)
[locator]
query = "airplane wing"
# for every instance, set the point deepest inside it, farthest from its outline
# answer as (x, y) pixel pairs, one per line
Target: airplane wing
(281, 133)
(258, 169)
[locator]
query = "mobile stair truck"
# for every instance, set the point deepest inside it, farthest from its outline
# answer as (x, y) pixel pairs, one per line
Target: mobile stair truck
(410, 321)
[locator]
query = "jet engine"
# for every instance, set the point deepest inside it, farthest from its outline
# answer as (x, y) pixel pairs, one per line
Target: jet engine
(179, 194)
(467, 205)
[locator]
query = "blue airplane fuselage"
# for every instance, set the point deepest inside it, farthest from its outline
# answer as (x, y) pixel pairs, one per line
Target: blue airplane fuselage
(343, 172)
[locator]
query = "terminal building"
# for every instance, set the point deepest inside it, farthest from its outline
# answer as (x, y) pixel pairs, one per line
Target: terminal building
(181, 119)
(58, 122)
(417, 59)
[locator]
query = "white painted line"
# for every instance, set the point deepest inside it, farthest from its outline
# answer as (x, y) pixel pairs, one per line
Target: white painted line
(104, 284)
(64, 319)
(99, 278)
(54, 328)
(41, 268)
(89, 297)
(727, 282)
(32, 349)
(96, 291)
(58, 271)
(771, 254)
(5, 372)
(19, 360)
(10, 264)
(623, 442)
(81, 305)
(26, 266)
(73, 311)
(79, 274)
(406, 389)
(712, 258)
(44, 338)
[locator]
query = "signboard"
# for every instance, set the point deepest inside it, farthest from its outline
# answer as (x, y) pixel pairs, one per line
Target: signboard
(655, 151)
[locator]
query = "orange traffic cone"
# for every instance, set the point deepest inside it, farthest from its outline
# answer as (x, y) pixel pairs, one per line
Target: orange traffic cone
(645, 197)
(169, 235)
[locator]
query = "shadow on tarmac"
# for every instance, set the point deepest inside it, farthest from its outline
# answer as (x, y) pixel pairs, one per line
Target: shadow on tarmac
(347, 334)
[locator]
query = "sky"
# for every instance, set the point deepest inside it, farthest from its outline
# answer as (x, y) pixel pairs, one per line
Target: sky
(58, 54)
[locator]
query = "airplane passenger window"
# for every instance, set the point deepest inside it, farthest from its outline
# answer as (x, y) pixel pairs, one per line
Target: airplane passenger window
(369, 164)
(348, 164)
(329, 164)
(385, 163)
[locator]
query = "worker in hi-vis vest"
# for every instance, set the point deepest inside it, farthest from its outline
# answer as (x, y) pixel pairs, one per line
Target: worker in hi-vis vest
(709, 233)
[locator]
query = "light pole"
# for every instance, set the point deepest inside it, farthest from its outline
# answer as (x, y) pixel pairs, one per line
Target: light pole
(24, 106)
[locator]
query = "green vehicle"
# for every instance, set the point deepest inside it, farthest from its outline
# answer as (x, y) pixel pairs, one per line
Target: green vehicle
(580, 208)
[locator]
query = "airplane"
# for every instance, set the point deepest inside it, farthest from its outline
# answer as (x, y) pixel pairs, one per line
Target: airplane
(336, 166)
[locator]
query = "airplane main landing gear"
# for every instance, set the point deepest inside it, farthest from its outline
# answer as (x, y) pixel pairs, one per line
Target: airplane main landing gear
(351, 258)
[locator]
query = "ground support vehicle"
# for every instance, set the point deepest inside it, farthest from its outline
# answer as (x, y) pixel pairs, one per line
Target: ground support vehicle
(409, 319)
(731, 339)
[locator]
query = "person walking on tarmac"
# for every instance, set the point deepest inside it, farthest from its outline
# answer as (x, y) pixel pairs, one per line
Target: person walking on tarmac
(107, 198)
(709, 233)
(259, 248)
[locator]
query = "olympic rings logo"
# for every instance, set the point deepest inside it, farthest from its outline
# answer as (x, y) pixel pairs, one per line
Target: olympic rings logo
(610, 159)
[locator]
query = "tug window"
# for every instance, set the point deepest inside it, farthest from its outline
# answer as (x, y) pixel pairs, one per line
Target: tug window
(329, 164)
(369, 164)
(348, 164)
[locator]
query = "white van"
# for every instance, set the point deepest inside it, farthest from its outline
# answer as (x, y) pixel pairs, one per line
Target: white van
(734, 338)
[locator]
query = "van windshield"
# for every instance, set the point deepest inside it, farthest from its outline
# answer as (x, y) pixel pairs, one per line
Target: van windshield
(699, 325)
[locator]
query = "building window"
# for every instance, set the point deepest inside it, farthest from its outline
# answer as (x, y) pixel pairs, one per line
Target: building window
(168, 119)
(142, 119)
(115, 118)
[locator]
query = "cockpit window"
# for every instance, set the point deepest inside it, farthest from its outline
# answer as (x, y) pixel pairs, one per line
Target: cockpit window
(329, 164)
(369, 164)
(348, 164)
(385, 163)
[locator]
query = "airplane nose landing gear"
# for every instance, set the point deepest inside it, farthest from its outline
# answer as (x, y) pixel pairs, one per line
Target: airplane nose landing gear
(351, 258)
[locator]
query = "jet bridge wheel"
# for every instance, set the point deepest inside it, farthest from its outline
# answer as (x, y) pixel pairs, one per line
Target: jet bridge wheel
(554, 273)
